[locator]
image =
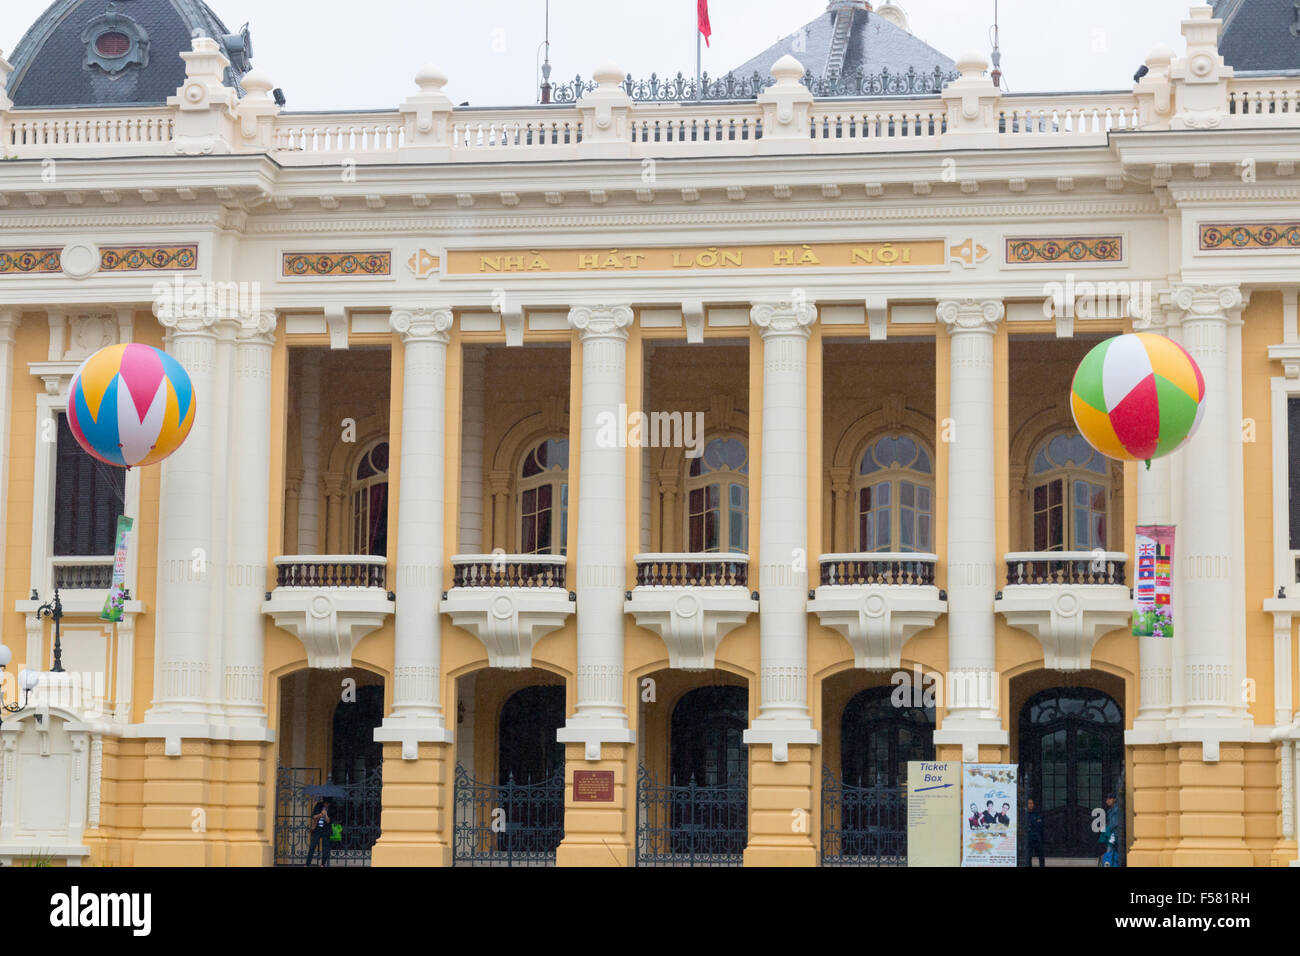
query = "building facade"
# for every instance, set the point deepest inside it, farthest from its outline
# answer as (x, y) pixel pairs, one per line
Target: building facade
(621, 482)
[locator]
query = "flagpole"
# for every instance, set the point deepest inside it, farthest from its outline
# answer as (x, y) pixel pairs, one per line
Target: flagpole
(699, 94)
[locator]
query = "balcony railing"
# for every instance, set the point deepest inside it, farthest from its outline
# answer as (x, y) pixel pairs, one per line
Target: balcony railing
(94, 573)
(331, 571)
(1066, 567)
(884, 568)
(508, 571)
(692, 570)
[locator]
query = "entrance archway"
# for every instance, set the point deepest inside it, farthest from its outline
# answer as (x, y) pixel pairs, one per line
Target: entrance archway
(328, 755)
(1071, 744)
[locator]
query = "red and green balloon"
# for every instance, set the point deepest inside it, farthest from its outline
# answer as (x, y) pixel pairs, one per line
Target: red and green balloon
(1137, 397)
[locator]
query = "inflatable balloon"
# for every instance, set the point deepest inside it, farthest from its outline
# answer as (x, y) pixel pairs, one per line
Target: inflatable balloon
(131, 405)
(1137, 397)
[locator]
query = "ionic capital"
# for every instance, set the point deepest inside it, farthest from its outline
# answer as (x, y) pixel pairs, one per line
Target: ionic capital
(601, 321)
(970, 315)
(792, 316)
(422, 324)
(1205, 302)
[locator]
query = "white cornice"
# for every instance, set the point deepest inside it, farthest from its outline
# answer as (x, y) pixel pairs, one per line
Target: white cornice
(703, 217)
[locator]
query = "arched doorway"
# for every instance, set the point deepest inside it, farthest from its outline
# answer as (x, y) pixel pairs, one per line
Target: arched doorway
(700, 816)
(878, 739)
(328, 754)
(509, 787)
(528, 751)
(1071, 758)
(864, 810)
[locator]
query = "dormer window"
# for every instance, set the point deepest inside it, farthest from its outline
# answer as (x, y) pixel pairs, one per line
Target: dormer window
(114, 42)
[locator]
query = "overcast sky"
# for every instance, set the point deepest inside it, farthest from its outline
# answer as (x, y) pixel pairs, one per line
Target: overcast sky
(332, 54)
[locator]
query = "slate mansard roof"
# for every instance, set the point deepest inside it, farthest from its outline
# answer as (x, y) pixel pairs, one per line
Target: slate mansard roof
(58, 62)
(870, 42)
(1260, 34)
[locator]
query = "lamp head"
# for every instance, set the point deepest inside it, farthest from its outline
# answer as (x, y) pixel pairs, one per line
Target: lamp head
(6, 656)
(29, 679)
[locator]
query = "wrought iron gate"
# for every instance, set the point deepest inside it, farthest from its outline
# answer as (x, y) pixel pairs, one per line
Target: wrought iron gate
(690, 825)
(356, 807)
(509, 824)
(863, 826)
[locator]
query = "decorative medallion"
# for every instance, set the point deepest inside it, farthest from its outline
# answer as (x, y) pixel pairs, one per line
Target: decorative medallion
(337, 264)
(423, 263)
(148, 258)
(30, 261)
(1217, 237)
(1065, 249)
(969, 254)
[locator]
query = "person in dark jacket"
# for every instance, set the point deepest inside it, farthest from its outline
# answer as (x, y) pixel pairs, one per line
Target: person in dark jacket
(1110, 836)
(1034, 829)
(320, 833)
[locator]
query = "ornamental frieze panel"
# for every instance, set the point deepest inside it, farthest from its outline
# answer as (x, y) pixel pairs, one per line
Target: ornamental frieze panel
(1226, 237)
(148, 258)
(337, 264)
(1069, 250)
(29, 261)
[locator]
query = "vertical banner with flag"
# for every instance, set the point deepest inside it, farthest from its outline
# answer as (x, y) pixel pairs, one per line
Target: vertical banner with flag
(115, 603)
(1153, 614)
(703, 13)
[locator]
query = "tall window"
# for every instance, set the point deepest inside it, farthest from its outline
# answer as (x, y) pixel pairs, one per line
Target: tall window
(717, 498)
(878, 738)
(1293, 467)
(1071, 495)
(895, 491)
(544, 499)
(370, 501)
(88, 496)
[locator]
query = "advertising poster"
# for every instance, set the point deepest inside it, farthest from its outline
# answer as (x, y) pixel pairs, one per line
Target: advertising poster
(1153, 614)
(989, 825)
(933, 812)
(115, 603)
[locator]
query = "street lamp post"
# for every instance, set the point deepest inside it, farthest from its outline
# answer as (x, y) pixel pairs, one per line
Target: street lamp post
(54, 611)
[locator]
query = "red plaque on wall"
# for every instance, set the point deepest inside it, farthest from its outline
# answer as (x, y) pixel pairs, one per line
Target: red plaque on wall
(593, 786)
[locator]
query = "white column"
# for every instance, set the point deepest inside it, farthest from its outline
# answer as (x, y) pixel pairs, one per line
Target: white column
(184, 635)
(417, 653)
(309, 530)
(972, 716)
(10, 319)
(602, 533)
(1213, 632)
(470, 538)
(249, 509)
(1155, 654)
(783, 717)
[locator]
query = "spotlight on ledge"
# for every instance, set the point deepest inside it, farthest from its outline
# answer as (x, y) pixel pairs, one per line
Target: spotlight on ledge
(278, 95)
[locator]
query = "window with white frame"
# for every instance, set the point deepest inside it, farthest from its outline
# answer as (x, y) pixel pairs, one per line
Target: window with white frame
(894, 488)
(1069, 498)
(543, 498)
(717, 498)
(369, 496)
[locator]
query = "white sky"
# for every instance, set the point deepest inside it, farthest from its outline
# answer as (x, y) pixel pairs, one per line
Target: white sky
(332, 54)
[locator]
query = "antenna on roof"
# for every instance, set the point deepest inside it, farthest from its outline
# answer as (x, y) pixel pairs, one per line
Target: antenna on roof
(546, 61)
(997, 49)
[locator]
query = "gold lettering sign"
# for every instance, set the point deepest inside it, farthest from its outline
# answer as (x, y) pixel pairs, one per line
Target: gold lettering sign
(832, 255)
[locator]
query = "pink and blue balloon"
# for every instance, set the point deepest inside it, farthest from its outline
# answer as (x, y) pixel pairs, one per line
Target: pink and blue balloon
(131, 405)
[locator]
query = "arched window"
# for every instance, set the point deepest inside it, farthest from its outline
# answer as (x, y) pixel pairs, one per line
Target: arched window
(717, 498)
(895, 492)
(544, 498)
(370, 501)
(878, 738)
(1070, 495)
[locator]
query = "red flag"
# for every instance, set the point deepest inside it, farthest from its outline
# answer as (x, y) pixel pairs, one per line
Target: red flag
(704, 21)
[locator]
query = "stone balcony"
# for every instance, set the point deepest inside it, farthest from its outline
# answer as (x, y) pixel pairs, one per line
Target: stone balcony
(878, 602)
(692, 601)
(1068, 600)
(330, 602)
(509, 602)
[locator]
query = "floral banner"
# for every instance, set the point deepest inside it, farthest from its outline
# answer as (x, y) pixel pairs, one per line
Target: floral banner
(1153, 613)
(989, 833)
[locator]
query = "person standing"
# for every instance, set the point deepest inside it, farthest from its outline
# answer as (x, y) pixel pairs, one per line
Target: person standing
(1110, 836)
(320, 834)
(1034, 832)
